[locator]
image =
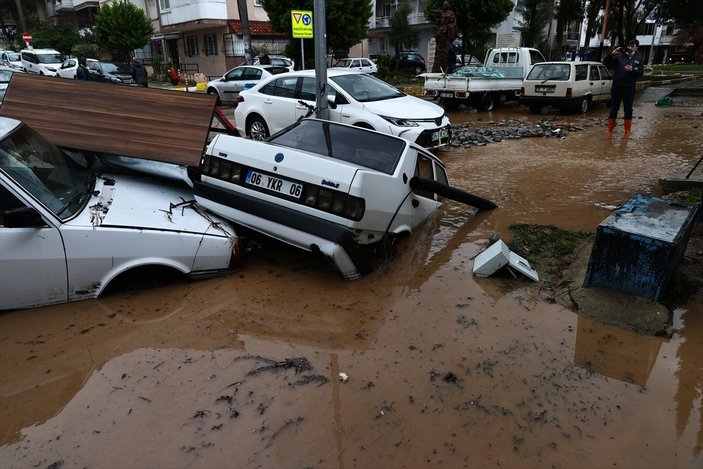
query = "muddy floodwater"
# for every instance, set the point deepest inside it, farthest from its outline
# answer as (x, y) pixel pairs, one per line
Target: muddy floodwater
(438, 368)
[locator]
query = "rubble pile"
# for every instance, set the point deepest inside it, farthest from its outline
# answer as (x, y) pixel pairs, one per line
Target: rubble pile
(465, 135)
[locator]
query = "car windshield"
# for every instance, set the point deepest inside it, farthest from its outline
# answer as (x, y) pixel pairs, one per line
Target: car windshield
(549, 72)
(50, 175)
(13, 56)
(5, 76)
(113, 68)
(365, 88)
(49, 58)
(362, 147)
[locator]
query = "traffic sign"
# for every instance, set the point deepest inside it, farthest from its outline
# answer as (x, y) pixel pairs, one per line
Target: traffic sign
(302, 24)
(26, 37)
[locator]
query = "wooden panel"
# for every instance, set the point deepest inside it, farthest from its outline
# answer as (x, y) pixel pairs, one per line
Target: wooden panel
(154, 124)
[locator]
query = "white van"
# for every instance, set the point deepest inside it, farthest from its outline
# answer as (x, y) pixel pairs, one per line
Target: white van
(41, 61)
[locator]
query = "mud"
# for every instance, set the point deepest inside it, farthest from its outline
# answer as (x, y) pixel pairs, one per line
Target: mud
(442, 368)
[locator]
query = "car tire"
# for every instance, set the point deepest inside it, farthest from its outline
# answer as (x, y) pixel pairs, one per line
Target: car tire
(582, 105)
(257, 128)
(418, 70)
(488, 102)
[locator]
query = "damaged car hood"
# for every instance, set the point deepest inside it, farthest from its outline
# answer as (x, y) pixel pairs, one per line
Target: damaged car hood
(129, 201)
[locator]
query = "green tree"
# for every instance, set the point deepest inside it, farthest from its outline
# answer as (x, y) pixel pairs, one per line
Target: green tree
(567, 11)
(688, 15)
(536, 14)
(475, 20)
(120, 27)
(402, 35)
(60, 36)
(347, 23)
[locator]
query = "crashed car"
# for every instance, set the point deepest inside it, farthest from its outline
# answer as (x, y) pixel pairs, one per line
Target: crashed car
(69, 228)
(329, 188)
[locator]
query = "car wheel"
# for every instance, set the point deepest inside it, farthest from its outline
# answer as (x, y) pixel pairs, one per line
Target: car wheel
(488, 102)
(257, 128)
(582, 106)
(213, 91)
(418, 70)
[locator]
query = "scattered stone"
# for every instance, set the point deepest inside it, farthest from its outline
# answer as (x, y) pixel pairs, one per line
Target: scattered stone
(465, 136)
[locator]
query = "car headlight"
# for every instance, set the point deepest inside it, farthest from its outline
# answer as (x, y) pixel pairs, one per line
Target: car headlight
(399, 122)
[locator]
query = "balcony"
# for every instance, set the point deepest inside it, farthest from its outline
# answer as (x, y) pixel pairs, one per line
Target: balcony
(413, 19)
(191, 11)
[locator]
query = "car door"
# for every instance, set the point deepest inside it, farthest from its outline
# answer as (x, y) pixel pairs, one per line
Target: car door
(278, 103)
(32, 256)
(606, 82)
(231, 84)
(68, 68)
(425, 202)
(595, 82)
(29, 62)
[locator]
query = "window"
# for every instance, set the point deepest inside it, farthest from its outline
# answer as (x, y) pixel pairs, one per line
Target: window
(192, 48)
(595, 75)
(251, 74)
(581, 72)
(258, 3)
(283, 87)
(604, 74)
(210, 44)
(165, 4)
(424, 170)
(307, 91)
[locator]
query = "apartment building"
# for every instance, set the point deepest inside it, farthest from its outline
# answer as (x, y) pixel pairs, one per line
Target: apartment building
(196, 36)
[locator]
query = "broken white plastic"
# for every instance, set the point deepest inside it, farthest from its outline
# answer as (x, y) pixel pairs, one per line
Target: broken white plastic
(497, 256)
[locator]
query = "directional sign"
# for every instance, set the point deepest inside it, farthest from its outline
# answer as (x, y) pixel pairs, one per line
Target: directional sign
(302, 24)
(26, 37)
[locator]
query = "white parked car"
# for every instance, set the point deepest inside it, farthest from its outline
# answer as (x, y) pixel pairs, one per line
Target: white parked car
(360, 64)
(566, 85)
(5, 77)
(354, 98)
(11, 59)
(69, 229)
(240, 78)
(41, 61)
(278, 61)
(337, 190)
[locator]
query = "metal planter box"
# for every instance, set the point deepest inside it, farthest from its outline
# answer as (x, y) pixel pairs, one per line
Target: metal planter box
(638, 247)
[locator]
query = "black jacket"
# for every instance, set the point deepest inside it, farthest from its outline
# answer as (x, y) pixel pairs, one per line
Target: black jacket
(621, 77)
(139, 73)
(82, 73)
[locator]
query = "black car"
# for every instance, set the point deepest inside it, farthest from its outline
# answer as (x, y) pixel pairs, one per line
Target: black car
(409, 61)
(118, 73)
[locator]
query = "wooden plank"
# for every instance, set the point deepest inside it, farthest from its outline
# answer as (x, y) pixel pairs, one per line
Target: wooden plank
(154, 124)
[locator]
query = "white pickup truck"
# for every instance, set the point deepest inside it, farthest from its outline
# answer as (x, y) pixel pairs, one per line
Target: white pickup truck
(499, 80)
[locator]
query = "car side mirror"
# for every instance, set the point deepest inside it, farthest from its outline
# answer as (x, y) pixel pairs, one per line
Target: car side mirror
(332, 101)
(23, 217)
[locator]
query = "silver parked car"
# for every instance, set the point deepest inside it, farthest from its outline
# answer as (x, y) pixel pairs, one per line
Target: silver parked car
(243, 77)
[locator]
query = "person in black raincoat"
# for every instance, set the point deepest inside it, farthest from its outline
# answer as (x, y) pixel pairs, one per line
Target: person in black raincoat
(628, 66)
(138, 72)
(82, 72)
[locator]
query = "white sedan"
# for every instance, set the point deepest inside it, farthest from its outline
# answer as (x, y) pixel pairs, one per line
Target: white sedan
(69, 230)
(360, 64)
(354, 98)
(228, 86)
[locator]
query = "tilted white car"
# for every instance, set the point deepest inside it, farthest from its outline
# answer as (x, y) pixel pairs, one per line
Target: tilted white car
(69, 229)
(575, 86)
(356, 64)
(333, 189)
(355, 98)
(240, 78)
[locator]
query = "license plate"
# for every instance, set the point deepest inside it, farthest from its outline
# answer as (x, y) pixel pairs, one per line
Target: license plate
(274, 184)
(446, 94)
(441, 134)
(544, 89)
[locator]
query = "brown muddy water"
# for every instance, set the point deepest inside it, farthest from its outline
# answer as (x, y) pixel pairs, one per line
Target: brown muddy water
(443, 368)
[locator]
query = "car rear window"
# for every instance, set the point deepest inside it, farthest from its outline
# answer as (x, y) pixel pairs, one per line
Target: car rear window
(371, 150)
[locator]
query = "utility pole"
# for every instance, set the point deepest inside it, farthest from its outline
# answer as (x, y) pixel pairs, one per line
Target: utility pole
(320, 38)
(605, 28)
(244, 18)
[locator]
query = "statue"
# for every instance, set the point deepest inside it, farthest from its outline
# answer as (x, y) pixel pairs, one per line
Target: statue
(446, 33)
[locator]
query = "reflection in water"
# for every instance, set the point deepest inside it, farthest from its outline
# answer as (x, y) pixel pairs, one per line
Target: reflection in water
(615, 352)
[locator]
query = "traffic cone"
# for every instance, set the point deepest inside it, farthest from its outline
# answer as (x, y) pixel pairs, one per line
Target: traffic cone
(628, 126)
(611, 125)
